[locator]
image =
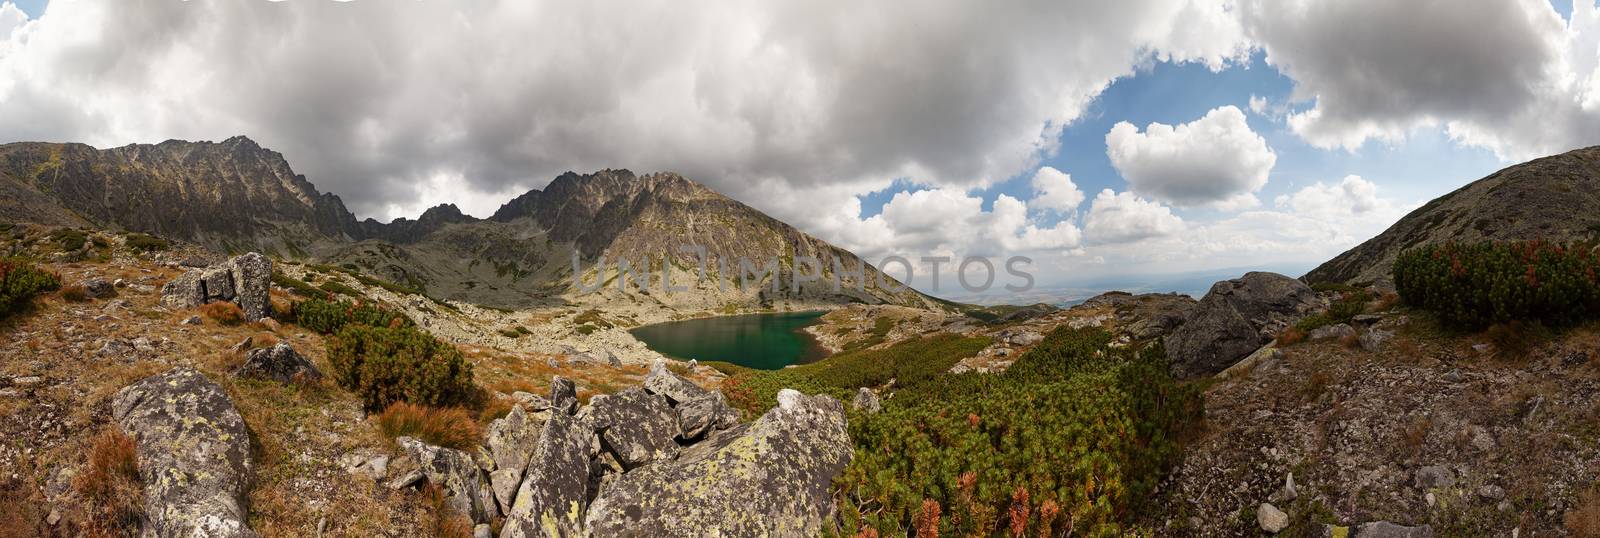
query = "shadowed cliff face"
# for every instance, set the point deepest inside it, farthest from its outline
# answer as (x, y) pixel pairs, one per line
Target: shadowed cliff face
(1552, 198)
(235, 195)
(233, 191)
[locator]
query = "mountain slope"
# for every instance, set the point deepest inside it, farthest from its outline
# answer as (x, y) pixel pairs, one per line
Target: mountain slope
(524, 252)
(225, 194)
(235, 195)
(1553, 198)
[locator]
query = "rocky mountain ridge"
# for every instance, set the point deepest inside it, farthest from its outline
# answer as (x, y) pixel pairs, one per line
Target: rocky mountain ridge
(1551, 198)
(519, 257)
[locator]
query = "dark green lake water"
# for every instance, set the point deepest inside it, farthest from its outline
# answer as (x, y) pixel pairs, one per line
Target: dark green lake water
(764, 341)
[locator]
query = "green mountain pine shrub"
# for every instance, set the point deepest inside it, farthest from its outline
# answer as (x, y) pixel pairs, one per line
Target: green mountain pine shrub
(385, 365)
(1068, 441)
(1473, 286)
(20, 280)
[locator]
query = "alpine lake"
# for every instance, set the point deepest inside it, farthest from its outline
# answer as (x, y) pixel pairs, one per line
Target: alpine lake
(760, 341)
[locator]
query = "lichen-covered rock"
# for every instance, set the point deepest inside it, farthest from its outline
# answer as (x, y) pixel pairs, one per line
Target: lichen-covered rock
(866, 401)
(252, 282)
(98, 288)
(512, 438)
(563, 395)
(246, 280)
(218, 282)
(1234, 319)
(704, 413)
(1341, 330)
(553, 494)
(769, 478)
(1385, 529)
(193, 453)
(279, 363)
(463, 483)
(676, 389)
(184, 291)
(635, 426)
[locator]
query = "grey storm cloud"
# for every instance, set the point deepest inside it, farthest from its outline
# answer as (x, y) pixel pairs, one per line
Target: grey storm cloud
(762, 100)
(1508, 75)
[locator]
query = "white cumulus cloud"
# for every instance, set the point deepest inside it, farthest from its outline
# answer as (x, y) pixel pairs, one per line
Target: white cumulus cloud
(1125, 217)
(1055, 191)
(1212, 161)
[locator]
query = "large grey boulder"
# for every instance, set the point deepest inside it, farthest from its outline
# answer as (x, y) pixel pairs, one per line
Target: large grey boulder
(193, 453)
(1234, 319)
(454, 472)
(563, 395)
(185, 291)
(245, 280)
(252, 281)
(703, 414)
(279, 363)
(1385, 529)
(554, 492)
(635, 426)
(770, 478)
(676, 389)
(511, 441)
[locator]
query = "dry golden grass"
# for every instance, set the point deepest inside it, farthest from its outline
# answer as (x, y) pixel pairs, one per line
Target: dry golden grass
(1291, 336)
(222, 312)
(1414, 436)
(74, 293)
(451, 427)
(1350, 341)
(444, 521)
(1583, 521)
(1514, 341)
(109, 485)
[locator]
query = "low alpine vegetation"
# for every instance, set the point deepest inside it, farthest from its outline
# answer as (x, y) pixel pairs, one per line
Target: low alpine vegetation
(110, 485)
(450, 427)
(1068, 441)
(223, 312)
(384, 365)
(330, 317)
(1473, 286)
(147, 243)
(20, 281)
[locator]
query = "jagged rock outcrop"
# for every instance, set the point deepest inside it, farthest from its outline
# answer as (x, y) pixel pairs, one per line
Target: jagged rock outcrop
(703, 414)
(635, 426)
(1551, 198)
(279, 363)
(554, 491)
(625, 466)
(771, 479)
(456, 474)
(177, 189)
(193, 452)
(511, 441)
(174, 189)
(246, 280)
(1234, 319)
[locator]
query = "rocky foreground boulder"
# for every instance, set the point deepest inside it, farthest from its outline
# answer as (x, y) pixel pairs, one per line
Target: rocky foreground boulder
(279, 363)
(193, 453)
(1234, 319)
(245, 280)
(667, 458)
(767, 479)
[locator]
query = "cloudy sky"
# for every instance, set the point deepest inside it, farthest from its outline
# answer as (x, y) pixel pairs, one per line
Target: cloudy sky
(1099, 138)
